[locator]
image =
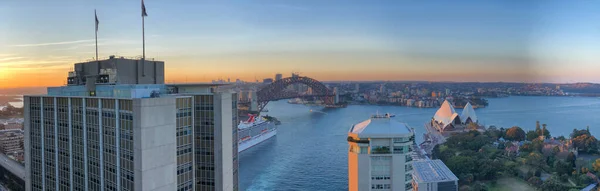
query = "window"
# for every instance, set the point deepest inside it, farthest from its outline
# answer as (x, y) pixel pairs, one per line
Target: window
(364, 150)
(398, 150)
(380, 150)
(380, 186)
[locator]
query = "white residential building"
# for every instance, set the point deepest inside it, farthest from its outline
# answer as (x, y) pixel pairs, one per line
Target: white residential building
(379, 156)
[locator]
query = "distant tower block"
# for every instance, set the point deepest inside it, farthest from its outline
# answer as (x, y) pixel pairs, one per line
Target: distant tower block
(337, 96)
(253, 101)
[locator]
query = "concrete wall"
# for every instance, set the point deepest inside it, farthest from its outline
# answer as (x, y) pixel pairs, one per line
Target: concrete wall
(223, 142)
(154, 129)
(128, 71)
(398, 172)
(364, 172)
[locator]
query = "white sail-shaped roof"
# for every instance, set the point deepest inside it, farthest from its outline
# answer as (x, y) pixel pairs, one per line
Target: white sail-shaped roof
(468, 112)
(446, 114)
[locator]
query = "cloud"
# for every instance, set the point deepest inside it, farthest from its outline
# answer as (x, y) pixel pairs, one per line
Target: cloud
(54, 43)
(10, 58)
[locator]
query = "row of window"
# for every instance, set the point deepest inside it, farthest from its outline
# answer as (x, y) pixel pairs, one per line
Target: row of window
(184, 168)
(380, 186)
(184, 150)
(380, 177)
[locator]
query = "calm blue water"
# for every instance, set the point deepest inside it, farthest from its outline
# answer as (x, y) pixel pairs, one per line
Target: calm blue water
(310, 149)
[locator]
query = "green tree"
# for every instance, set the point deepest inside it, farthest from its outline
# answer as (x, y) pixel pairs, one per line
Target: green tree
(555, 150)
(577, 133)
(527, 147)
(535, 181)
(571, 159)
(584, 180)
(553, 185)
(537, 145)
(531, 135)
(596, 165)
(515, 134)
(466, 178)
(545, 131)
(535, 159)
(461, 164)
(493, 133)
(489, 169)
(563, 167)
(586, 143)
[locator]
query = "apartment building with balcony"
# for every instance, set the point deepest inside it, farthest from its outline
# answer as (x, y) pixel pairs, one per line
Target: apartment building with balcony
(379, 155)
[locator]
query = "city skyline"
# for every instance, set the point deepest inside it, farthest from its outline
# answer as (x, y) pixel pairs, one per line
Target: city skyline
(328, 41)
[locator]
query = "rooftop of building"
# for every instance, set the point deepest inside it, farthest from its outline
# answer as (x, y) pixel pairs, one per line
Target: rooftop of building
(130, 91)
(426, 171)
(381, 127)
(210, 84)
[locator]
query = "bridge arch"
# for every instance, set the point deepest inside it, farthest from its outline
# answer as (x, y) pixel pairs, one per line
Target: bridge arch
(276, 91)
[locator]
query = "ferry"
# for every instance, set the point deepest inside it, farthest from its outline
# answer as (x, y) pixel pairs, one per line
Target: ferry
(254, 131)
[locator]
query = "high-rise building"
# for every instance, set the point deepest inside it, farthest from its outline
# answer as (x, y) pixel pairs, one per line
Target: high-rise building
(126, 130)
(278, 76)
(11, 141)
(433, 175)
(379, 156)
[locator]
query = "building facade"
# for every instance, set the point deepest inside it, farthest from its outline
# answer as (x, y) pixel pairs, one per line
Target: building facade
(111, 136)
(379, 156)
(11, 141)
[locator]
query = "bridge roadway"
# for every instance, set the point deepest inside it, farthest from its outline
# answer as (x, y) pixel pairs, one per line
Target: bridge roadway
(12, 166)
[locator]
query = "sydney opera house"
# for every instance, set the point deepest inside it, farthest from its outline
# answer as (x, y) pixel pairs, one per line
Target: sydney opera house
(447, 119)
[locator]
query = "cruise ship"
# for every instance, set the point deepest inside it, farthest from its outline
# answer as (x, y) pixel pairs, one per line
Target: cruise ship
(254, 131)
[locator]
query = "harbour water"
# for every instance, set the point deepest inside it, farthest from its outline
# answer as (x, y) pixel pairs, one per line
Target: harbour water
(310, 149)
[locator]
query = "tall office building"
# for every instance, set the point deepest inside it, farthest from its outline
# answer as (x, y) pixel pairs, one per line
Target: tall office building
(379, 156)
(278, 77)
(117, 126)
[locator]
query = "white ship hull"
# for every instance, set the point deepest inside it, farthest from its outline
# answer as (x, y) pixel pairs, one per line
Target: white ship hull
(256, 140)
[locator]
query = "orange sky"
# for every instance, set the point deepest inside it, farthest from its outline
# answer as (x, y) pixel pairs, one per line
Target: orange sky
(249, 70)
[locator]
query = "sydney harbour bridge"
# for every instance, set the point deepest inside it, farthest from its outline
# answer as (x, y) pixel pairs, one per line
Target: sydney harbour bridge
(260, 95)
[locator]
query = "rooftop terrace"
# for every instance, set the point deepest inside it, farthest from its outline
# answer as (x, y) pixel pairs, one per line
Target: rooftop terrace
(426, 171)
(381, 126)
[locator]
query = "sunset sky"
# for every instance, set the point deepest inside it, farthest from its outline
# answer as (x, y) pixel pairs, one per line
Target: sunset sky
(553, 41)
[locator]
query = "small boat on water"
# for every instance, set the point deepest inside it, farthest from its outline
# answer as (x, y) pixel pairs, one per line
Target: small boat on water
(386, 115)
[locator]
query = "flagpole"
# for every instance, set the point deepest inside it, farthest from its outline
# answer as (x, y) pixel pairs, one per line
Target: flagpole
(96, 23)
(143, 41)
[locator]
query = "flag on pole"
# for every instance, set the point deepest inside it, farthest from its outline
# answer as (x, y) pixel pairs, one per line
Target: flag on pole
(144, 14)
(97, 22)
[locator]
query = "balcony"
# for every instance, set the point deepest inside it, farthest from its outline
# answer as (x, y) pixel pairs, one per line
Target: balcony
(350, 139)
(380, 150)
(408, 158)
